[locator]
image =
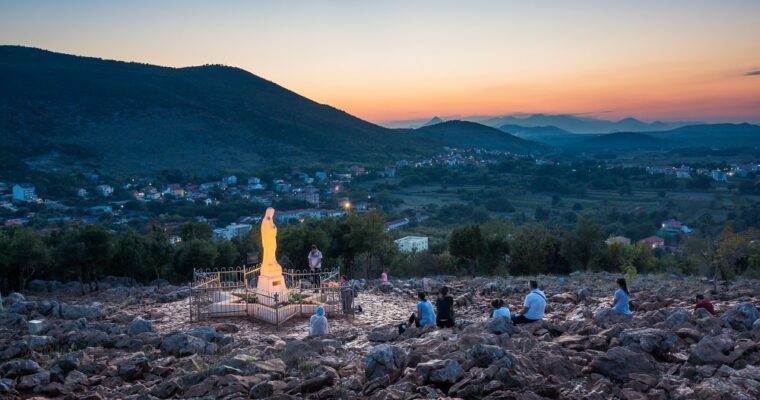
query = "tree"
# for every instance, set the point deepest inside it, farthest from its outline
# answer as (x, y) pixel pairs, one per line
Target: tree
(294, 243)
(582, 244)
(732, 247)
(129, 256)
(227, 254)
(468, 245)
(96, 253)
(25, 255)
(534, 250)
(159, 251)
(195, 230)
(192, 254)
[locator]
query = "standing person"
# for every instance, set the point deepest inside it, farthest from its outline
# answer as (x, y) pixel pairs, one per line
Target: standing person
(318, 323)
(534, 306)
(444, 309)
(703, 303)
(500, 309)
(622, 298)
(315, 264)
(347, 294)
(384, 276)
(425, 316)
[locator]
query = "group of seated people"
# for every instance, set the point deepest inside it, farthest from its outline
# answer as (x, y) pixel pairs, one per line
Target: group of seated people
(532, 310)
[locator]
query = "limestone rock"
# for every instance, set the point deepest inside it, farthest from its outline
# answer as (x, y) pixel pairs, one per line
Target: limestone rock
(712, 350)
(138, 326)
(619, 362)
(440, 372)
(386, 333)
(385, 360)
(741, 316)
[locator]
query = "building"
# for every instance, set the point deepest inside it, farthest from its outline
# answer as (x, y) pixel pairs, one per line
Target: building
(412, 244)
(654, 242)
(175, 190)
(231, 231)
(675, 226)
(719, 176)
(104, 190)
(396, 224)
(24, 192)
(230, 180)
(619, 240)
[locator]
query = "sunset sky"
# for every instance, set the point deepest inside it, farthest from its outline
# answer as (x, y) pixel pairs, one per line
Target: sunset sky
(391, 60)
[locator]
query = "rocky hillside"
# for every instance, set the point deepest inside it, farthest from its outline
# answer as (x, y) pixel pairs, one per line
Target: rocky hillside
(135, 342)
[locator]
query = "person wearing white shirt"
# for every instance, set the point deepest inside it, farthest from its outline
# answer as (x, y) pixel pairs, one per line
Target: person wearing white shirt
(534, 306)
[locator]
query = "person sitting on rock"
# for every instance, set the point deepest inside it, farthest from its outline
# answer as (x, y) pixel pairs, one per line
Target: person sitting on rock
(704, 303)
(499, 309)
(622, 298)
(425, 316)
(534, 306)
(444, 307)
(318, 323)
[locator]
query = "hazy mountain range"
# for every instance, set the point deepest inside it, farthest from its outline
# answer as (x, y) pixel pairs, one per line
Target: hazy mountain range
(129, 117)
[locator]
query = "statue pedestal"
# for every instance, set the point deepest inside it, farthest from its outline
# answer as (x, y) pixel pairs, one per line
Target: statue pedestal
(269, 285)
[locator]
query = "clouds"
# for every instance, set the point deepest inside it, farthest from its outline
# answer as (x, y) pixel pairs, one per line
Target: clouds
(754, 72)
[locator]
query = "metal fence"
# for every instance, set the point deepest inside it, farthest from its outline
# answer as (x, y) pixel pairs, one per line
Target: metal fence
(231, 292)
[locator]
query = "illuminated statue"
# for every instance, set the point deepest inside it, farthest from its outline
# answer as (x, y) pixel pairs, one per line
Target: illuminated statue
(269, 265)
(271, 282)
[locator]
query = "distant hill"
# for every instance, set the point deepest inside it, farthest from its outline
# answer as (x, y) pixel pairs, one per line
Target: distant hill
(433, 121)
(576, 124)
(550, 135)
(137, 117)
(621, 141)
(471, 134)
(713, 135)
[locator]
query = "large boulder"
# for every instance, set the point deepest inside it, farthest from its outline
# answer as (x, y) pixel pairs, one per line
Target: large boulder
(77, 311)
(619, 362)
(677, 318)
(440, 372)
(181, 344)
(386, 333)
(14, 368)
(501, 326)
(295, 351)
(712, 350)
(609, 316)
(36, 380)
(385, 360)
(14, 349)
(133, 366)
(741, 316)
(483, 355)
(138, 326)
(653, 341)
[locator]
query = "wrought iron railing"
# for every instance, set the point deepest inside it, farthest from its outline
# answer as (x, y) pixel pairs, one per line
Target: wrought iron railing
(232, 292)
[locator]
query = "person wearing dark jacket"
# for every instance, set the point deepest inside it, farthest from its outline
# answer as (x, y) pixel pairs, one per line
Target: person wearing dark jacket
(444, 306)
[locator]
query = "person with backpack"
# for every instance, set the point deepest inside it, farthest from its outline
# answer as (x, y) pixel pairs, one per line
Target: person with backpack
(533, 308)
(444, 306)
(425, 316)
